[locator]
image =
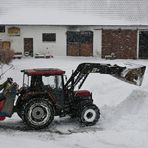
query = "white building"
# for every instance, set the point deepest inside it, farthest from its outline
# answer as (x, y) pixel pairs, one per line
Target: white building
(53, 40)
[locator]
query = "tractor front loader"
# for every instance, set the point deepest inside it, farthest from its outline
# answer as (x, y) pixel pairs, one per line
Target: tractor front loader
(45, 94)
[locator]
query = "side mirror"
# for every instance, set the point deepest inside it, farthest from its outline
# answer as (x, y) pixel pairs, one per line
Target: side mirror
(65, 78)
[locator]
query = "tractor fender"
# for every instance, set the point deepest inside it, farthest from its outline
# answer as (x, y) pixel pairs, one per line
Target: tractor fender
(83, 96)
(24, 100)
(1, 107)
(82, 93)
(30, 95)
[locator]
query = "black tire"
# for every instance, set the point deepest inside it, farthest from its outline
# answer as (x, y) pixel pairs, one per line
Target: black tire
(38, 113)
(89, 115)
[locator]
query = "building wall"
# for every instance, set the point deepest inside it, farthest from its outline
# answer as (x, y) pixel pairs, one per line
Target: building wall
(54, 48)
(57, 48)
(97, 43)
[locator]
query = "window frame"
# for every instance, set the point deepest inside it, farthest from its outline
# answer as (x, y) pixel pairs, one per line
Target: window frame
(2, 29)
(49, 37)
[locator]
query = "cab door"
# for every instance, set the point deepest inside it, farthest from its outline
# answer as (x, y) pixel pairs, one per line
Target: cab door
(54, 85)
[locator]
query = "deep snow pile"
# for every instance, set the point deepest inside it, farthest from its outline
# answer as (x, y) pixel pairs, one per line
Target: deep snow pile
(130, 114)
(124, 112)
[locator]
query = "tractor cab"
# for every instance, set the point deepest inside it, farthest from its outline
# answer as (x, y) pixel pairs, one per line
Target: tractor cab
(44, 94)
(42, 82)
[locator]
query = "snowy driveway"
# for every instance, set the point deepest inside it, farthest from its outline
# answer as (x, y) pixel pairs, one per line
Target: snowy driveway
(124, 112)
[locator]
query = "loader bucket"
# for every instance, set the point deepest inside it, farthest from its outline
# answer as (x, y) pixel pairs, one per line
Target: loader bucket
(132, 74)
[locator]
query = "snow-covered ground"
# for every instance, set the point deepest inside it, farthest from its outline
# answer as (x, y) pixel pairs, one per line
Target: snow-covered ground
(124, 112)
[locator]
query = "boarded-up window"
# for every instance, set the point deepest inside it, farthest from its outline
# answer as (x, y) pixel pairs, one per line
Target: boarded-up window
(2, 28)
(73, 36)
(49, 37)
(6, 44)
(86, 37)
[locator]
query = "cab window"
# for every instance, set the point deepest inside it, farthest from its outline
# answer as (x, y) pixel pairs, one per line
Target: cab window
(55, 82)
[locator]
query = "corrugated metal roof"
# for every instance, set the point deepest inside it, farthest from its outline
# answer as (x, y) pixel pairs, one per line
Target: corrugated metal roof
(74, 12)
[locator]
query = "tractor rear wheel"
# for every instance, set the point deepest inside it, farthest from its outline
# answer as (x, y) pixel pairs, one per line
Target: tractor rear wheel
(38, 113)
(89, 115)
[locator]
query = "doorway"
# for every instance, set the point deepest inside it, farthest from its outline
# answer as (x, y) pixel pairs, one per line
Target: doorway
(28, 46)
(143, 44)
(80, 43)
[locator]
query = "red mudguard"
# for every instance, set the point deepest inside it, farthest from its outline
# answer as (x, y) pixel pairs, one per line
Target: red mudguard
(1, 107)
(2, 118)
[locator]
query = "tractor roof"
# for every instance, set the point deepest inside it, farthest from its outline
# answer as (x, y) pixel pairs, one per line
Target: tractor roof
(43, 71)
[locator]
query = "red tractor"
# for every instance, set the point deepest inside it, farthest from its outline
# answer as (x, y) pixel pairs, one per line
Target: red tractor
(45, 93)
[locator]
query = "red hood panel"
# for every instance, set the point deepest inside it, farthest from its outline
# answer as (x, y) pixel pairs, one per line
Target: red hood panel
(82, 93)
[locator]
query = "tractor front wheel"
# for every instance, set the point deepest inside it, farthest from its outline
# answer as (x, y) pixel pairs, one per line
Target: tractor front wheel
(89, 115)
(39, 113)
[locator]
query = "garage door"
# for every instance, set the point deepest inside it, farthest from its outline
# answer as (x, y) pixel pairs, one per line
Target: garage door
(123, 43)
(143, 45)
(80, 43)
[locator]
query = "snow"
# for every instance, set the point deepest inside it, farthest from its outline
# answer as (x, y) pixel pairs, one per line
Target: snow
(124, 111)
(74, 12)
(33, 16)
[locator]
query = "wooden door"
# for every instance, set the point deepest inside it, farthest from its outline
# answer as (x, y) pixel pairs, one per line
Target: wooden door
(80, 43)
(72, 43)
(86, 43)
(73, 49)
(28, 46)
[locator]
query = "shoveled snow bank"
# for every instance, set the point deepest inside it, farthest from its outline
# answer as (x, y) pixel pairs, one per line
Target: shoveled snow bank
(130, 114)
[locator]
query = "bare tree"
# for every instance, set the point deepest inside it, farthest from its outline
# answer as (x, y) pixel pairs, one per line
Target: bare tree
(6, 56)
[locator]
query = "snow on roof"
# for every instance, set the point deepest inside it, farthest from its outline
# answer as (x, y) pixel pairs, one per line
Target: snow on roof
(74, 12)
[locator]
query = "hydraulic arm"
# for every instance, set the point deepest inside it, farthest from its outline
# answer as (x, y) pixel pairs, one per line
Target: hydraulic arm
(130, 73)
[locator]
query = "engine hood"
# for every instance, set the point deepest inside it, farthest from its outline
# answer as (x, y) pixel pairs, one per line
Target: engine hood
(82, 93)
